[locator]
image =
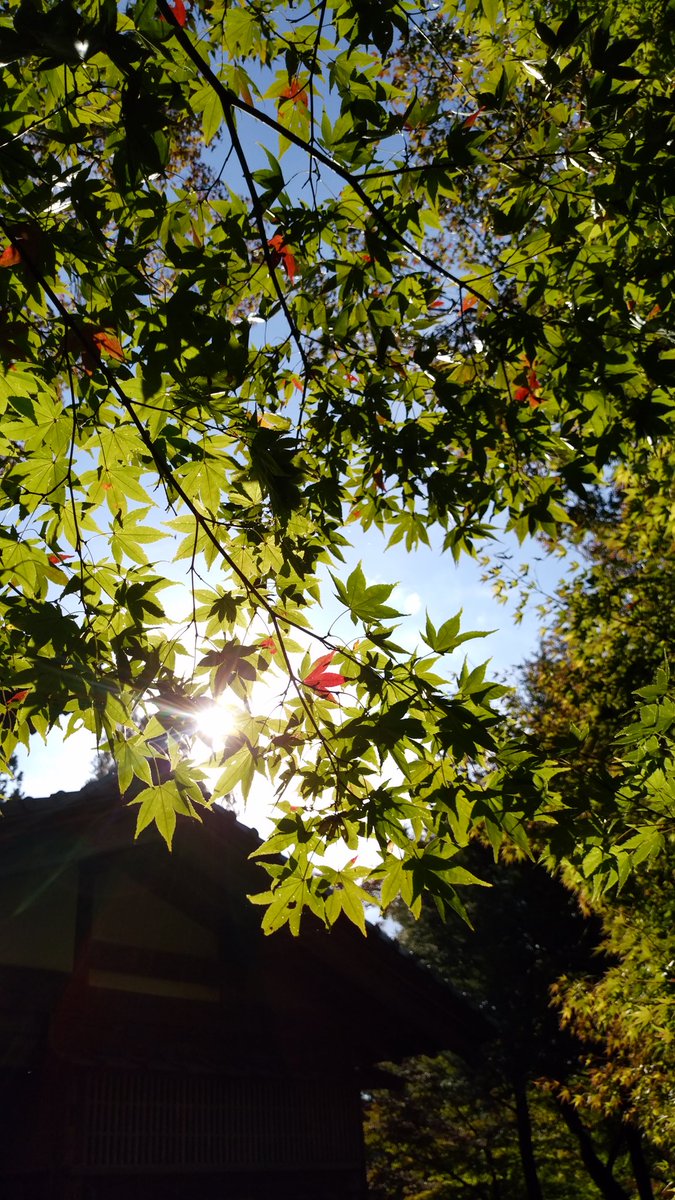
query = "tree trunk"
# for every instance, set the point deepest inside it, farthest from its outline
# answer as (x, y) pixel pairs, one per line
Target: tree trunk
(532, 1185)
(641, 1174)
(600, 1174)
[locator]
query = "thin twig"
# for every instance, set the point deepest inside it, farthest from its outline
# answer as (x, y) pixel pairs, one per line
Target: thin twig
(259, 218)
(229, 100)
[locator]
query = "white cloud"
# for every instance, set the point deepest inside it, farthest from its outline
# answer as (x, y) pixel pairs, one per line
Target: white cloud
(413, 603)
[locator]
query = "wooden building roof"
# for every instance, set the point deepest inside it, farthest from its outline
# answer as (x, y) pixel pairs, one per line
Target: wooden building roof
(78, 893)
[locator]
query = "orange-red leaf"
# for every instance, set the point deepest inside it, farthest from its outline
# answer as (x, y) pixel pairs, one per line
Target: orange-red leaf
(469, 302)
(320, 679)
(90, 342)
(289, 265)
(321, 664)
(269, 643)
(27, 236)
(178, 11)
(59, 558)
(18, 697)
(294, 92)
(529, 391)
(108, 343)
(282, 253)
(473, 117)
(329, 679)
(10, 257)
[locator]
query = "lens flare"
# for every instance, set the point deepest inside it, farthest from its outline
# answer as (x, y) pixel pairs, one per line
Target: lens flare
(214, 724)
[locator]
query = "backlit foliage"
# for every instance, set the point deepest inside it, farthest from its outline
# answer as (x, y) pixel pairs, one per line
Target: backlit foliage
(221, 365)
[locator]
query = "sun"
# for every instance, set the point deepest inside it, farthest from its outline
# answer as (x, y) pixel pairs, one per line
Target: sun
(214, 724)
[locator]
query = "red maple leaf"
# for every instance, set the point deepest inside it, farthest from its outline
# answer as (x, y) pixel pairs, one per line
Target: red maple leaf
(294, 92)
(23, 236)
(59, 558)
(282, 253)
(468, 302)
(18, 697)
(108, 343)
(90, 342)
(10, 257)
(269, 643)
(529, 391)
(320, 679)
(178, 12)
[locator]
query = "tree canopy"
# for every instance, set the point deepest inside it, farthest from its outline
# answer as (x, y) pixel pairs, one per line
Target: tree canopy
(573, 1093)
(611, 633)
(497, 1127)
(423, 275)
